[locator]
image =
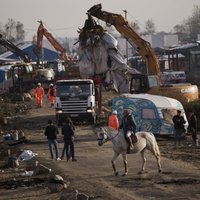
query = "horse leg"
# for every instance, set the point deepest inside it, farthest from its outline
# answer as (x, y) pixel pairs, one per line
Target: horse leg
(158, 163)
(113, 163)
(125, 164)
(156, 153)
(142, 153)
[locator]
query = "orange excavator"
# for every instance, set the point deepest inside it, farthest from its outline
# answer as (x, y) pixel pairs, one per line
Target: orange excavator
(42, 31)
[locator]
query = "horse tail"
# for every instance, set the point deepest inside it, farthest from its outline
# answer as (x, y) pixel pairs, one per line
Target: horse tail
(152, 143)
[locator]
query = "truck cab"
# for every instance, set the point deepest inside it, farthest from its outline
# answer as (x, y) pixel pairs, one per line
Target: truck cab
(75, 99)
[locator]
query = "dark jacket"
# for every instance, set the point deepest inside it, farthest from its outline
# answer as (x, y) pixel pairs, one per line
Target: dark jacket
(128, 124)
(68, 132)
(179, 122)
(51, 131)
(192, 122)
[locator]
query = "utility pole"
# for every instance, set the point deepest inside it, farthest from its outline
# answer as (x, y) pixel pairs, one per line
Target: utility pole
(125, 12)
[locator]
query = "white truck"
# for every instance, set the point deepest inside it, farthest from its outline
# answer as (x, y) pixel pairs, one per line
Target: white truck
(75, 99)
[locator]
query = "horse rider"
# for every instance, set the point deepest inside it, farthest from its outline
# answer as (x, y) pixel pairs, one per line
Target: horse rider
(113, 121)
(51, 94)
(39, 94)
(129, 127)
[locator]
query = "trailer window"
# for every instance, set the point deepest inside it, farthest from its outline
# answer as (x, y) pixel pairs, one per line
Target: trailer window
(148, 113)
(168, 114)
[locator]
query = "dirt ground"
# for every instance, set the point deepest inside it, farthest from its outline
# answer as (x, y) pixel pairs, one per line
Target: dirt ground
(92, 174)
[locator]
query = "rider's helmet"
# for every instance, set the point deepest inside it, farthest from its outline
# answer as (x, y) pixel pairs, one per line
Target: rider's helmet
(114, 112)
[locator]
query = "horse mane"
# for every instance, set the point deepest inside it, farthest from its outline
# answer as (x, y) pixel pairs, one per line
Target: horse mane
(111, 130)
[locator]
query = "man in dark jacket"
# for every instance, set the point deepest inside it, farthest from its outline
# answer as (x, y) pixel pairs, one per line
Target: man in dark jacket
(179, 128)
(192, 119)
(68, 132)
(51, 132)
(129, 127)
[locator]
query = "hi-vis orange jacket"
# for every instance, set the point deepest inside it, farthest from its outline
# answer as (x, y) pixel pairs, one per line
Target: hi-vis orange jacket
(113, 121)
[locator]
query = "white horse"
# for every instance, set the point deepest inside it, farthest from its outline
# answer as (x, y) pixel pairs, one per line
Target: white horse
(146, 140)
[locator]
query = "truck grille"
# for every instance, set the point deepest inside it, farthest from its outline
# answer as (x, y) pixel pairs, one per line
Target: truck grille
(79, 106)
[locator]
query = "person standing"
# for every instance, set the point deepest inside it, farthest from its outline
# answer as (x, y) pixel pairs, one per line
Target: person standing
(39, 94)
(51, 94)
(113, 121)
(129, 127)
(192, 120)
(68, 131)
(179, 128)
(64, 147)
(51, 132)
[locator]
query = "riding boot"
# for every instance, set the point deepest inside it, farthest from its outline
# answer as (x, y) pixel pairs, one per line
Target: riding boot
(130, 145)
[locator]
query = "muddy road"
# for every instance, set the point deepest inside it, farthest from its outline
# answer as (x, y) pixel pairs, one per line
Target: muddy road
(92, 174)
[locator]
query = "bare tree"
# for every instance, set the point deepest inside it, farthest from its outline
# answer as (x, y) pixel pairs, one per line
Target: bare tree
(193, 23)
(34, 39)
(182, 32)
(149, 27)
(135, 26)
(20, 33)
(66, 45)
(9, 30)
(13, 31)
(188, 30)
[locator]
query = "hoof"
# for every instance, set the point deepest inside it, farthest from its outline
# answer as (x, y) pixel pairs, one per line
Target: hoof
(159, 171)
(125, 174)
(116, 173)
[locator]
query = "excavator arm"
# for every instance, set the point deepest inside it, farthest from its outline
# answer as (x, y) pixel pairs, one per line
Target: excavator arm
(42, 31)
(122, 26)
(17, 51)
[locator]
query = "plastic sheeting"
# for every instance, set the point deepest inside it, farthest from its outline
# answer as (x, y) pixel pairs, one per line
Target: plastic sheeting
(26, 155)
(101, 57)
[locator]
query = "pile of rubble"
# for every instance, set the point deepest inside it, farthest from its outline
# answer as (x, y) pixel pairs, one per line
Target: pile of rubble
(13, 105)
(32, 173)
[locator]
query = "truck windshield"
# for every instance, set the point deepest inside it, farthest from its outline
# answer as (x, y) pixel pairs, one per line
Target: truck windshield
(73, 90)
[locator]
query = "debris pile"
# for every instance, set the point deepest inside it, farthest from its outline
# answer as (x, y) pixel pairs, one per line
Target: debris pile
(100, 57)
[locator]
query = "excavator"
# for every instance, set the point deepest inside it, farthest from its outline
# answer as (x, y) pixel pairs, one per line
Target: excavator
(42, 31)
(24, 76)
(150, 82)
(17, 51)
(59, 70)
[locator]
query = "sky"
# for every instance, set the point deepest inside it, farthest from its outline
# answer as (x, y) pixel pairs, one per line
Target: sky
(64, 17)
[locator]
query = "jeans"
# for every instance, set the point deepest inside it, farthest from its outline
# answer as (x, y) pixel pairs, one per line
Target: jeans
(179, 134)
(64, 152)
(53, 145)
(68, 148)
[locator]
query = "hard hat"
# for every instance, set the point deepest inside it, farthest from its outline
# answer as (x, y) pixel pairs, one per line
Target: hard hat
(51, 85)
(114, 112)
(39, 84)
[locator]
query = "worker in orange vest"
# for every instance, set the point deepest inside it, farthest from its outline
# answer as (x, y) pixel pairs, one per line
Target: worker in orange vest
(51, 94)
(39, 94)
(113, 121)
